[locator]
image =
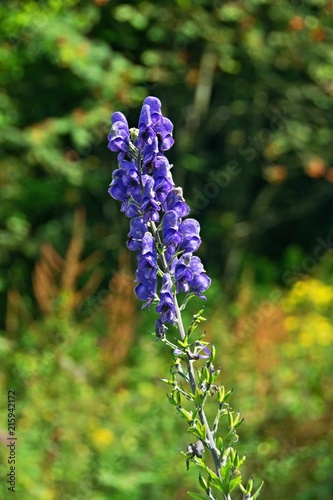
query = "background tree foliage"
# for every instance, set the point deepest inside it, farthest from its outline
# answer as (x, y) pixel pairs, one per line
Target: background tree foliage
(248, 85)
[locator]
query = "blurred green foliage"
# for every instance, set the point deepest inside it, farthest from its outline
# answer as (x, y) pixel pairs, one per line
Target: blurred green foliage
(248, 85)
(90, 430)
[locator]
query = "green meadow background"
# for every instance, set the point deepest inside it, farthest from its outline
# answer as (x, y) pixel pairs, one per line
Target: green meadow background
(248, 85)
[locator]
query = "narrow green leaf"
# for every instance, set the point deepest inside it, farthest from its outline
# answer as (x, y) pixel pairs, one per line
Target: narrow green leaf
(256, 494)
(221, 394)
(186, 414)
(186, 300)
(166, 381)
(235, 481)
(195, 495)
(239, 423)
(218, 484)
(227, 395)
(201, 429)
(202, 464)
(175, 397)
(193, 430)
(171, 399)
(203, 482)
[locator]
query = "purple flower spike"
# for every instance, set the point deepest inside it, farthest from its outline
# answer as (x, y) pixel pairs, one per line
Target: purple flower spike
(166, 307)
(144, 185)
(190, 229)
(119, 135)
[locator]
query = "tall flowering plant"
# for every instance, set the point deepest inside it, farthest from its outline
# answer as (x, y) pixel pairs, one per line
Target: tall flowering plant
(165, 239)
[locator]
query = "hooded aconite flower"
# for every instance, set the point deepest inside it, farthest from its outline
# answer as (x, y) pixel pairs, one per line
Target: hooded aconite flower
(159, 231)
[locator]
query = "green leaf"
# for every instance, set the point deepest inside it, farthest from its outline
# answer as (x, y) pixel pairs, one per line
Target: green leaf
(203, 482)
(166, 381)
(187, 300)
(239, 423)
(197, 319)
(235, 481)
(188, 415)
(227, 395)
(218, 484)
(171, 399)
(195, 495)
(256, 494)
(193, 430)
(202, 464)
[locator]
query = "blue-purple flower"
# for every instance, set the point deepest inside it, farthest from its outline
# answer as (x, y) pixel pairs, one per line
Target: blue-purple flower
(125, 186)
(147, 258)
(175, 201)
(161, 235)
(119, 136)
(137, 230)
(146, 289)
(164, 135)
(117, 188)
(146, 274)
(155, 131)
(170, 228)
(190, 275)
(200, 281)
(183, 272)
(150, 206)
(166, 306)
(190, 229)
(163, 178)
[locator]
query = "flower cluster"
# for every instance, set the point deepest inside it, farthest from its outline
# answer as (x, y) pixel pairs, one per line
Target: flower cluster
(163, 239)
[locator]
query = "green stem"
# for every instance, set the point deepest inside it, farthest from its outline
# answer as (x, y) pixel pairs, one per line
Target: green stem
(202, 416)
